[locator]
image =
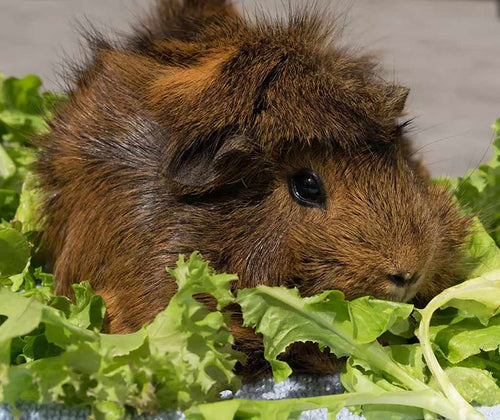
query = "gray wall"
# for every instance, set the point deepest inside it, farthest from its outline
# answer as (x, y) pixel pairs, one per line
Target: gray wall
(446, 51)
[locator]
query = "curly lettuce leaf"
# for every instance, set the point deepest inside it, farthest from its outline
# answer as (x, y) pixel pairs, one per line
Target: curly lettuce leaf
(483, 254)
(30, 202)
(478, 193)
(52, 351)
(22, 108)
(195, 342)
(479, 190)
(7, 165)
(24, 111)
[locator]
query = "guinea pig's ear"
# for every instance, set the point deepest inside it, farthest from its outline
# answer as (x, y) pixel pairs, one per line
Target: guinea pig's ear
(211, 163)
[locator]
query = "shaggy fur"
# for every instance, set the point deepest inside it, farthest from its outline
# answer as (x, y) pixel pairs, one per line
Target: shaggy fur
(182, 138)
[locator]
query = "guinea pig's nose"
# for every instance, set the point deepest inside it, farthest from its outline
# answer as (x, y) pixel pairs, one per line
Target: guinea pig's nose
(403, 278)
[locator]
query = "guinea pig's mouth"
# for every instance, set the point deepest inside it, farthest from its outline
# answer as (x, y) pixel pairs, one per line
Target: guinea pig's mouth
(404, 293)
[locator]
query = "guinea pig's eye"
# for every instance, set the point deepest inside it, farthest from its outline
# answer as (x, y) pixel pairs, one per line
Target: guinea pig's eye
(306, 188)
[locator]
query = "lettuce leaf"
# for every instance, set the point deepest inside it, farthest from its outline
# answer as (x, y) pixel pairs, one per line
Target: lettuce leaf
(459, 338)
(479, 190)
(15, 251)
(347, 328)
(283, 317)
(51, 350)
(475, 385)
(483, 254)
(478, 298)
(24, 111)
(293, 407)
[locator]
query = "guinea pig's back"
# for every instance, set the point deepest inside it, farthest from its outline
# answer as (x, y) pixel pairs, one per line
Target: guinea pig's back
(106, 203)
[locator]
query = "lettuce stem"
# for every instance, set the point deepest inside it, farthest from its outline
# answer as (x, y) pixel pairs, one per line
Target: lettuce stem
(464, 410)
(268, 409)
(426, 400)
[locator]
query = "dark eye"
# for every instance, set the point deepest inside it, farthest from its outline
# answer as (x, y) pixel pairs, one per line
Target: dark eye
(307, 189)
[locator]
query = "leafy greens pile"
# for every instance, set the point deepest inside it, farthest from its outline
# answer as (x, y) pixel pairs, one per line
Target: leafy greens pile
(52, 350)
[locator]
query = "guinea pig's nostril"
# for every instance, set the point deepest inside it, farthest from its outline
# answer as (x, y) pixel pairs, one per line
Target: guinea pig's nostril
(403, 278)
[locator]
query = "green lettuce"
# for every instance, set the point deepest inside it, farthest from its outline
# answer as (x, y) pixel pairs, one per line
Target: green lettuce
(479, 190)
(292, 408)
(483, 254)
(15, 251)
(410, 373)
(51, 350)
(24, 111)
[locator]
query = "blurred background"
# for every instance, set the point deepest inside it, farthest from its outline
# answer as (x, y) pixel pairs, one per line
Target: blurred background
(446, 51)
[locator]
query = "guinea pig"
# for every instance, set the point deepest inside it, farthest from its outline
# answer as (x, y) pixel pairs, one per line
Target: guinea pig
(277, 154)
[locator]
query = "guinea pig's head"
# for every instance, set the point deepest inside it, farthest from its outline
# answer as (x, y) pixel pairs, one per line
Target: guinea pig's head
(371, 223)
(288, 163)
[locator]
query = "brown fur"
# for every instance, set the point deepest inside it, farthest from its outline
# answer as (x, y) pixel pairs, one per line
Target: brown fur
(182, 138)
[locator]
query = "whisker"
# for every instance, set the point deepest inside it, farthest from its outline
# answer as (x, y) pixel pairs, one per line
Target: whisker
(470, 173)
(431, 143)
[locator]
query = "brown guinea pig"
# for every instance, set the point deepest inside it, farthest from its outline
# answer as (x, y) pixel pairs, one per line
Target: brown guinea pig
(273, 152)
